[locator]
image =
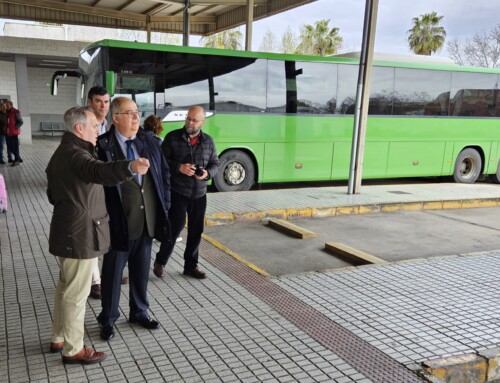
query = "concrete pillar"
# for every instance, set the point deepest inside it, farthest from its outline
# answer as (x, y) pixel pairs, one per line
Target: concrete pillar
(23, 98)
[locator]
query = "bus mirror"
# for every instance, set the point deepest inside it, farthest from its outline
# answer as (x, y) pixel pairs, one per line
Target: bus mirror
(59, 75)
(110, 82)
(53, 87)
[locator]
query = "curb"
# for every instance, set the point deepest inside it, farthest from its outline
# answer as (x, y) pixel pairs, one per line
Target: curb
(225, 218)
(482, 367)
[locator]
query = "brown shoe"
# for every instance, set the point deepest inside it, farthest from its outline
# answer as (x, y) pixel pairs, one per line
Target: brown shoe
(159, 270)
(95, 291)
(195, 273)
(56, 347)
(124, 280)
(86, 356)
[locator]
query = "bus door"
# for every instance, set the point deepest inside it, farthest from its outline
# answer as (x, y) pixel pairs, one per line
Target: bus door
(139, 88)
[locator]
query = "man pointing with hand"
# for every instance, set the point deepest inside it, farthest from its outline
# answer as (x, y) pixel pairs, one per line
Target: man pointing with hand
(79, 229)
(138, 211)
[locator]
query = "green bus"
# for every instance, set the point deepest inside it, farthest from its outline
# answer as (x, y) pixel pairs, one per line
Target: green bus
(285, 118)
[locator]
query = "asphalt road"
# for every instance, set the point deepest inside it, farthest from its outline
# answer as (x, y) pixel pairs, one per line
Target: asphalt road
(393, 237)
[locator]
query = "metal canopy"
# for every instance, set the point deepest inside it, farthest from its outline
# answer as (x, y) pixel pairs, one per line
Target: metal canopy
(205, 16)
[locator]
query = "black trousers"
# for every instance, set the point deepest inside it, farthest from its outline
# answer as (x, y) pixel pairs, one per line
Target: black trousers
(195, 210)
(13, 147)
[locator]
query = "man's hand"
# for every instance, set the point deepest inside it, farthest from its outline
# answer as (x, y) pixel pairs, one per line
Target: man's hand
(203, 176)
(187, 169)
(140, 166)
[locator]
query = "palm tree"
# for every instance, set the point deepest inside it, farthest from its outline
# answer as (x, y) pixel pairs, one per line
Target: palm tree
(319, 39)
(229, 39)
(426, 36)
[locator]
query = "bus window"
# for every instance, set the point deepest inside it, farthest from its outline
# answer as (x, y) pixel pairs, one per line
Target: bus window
(316, 87)
(348, 77)
(473, 94)
(381, 91)
(241, 85)
(414, 89)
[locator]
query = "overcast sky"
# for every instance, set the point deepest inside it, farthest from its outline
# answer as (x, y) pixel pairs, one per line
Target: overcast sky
(462, 18)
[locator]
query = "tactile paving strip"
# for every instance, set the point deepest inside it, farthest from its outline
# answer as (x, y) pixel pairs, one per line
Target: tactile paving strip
(365, 358)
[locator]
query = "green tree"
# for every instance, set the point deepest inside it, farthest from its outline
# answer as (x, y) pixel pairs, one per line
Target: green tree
(229, 39)
(426, 36)
(319, 39)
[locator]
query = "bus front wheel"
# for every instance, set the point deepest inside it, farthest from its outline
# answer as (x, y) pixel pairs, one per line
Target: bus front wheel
(467, 166)
(236, 172)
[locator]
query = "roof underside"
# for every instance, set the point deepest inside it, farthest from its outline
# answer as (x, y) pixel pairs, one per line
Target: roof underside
(206, 16)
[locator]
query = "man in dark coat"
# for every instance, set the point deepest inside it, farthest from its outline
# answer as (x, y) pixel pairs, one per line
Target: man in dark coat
(138, 211)
(79, 229)
(3, 117)
(193, 160)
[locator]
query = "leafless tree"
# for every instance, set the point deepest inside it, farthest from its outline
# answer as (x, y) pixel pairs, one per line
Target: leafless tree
(289, 42)
(268, 43)
(481, 50)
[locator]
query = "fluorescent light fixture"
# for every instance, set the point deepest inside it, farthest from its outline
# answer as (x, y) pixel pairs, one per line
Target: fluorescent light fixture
(53, 65)
(57, 61)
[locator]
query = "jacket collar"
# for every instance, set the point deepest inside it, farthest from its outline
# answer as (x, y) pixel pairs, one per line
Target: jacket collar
(70, 138)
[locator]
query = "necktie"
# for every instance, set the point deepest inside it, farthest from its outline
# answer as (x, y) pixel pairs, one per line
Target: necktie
(130, 151)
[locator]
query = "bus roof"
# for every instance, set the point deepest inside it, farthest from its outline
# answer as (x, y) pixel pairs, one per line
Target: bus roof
(384, 60)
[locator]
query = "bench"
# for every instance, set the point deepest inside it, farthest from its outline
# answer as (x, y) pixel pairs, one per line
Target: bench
(52, 127)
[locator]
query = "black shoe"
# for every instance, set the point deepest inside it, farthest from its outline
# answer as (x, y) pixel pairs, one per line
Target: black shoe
(20, 160)
(107, 332)
(195, 273)
(2, 162)
(10, 161)
(15, 163)
(147, 322)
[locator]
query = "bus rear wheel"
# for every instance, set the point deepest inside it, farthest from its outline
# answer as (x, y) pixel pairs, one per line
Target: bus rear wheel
(236, 172)
(467, 166)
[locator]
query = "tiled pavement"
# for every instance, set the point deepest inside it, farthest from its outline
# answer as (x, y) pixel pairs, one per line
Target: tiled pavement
(368, 324)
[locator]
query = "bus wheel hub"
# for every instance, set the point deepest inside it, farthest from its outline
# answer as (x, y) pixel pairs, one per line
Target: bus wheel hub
(234, 173)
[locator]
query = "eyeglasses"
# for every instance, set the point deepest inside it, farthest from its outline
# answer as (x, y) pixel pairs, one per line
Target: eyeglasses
(189, 119)
(131, 113)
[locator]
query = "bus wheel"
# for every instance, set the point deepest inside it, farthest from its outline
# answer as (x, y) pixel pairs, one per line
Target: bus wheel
(236, 172)
(467, 166)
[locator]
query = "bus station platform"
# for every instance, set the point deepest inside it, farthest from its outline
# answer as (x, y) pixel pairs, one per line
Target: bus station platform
(432, 320)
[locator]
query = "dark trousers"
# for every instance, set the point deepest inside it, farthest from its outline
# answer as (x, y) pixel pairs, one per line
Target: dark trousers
(195, 210)
(139, 262)
(2, 144)
(13, 147)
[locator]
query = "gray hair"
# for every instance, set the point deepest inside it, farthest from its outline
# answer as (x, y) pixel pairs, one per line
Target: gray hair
(73, 116)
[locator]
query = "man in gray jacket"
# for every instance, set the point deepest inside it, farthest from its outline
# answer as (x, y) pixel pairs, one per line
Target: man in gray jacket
(192, 159)
(79, 230)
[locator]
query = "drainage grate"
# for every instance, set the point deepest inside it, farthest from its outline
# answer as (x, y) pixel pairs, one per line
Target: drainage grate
(365, 358)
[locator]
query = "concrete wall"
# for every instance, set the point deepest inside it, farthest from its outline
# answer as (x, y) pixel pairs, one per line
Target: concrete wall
(43, 106)
(8, 80)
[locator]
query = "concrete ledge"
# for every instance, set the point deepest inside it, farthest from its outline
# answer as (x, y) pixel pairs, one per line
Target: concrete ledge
(352, 253)
(224, 218)
(291, 229)
(483, 367)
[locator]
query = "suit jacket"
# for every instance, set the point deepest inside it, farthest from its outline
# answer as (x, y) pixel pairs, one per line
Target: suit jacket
(148, 148)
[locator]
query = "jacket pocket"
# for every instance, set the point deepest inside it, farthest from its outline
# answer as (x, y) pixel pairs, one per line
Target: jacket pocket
(101, 233)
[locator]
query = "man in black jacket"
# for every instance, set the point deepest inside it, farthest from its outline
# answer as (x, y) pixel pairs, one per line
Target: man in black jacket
(192, 159)
(138, 212)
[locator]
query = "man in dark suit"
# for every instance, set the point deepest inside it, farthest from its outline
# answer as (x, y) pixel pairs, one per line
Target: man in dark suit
(138, 211)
